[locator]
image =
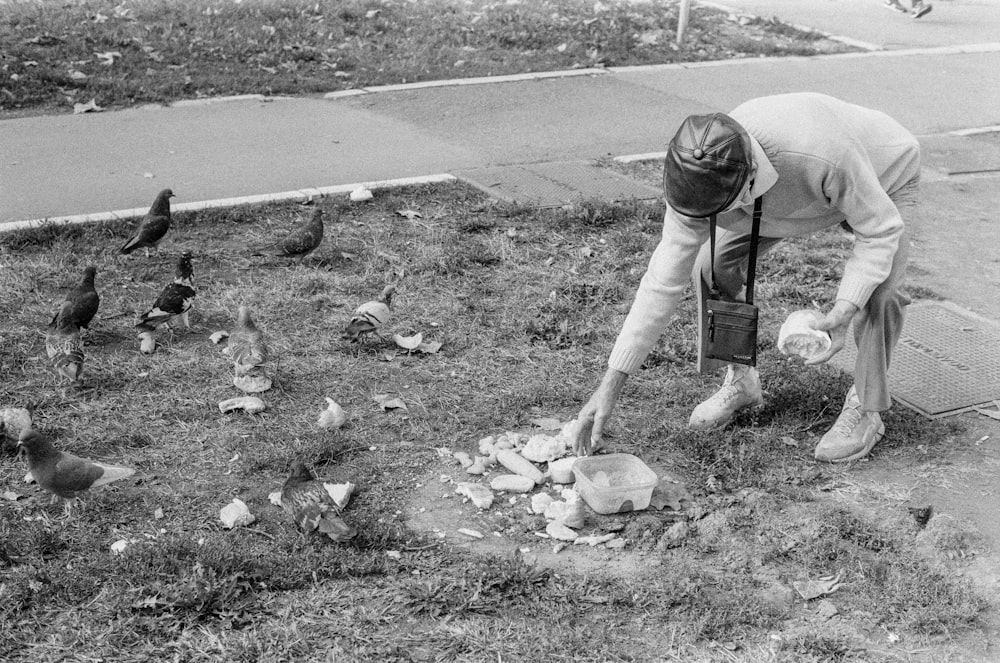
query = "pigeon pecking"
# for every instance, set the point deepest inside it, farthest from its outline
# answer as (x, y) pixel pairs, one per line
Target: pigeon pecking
(81, 302)
(247, 345)
(311, 507)
(64, 475)
(153, 227)
(174, 302)
(64, 348)
(298, 243)
(370, 316)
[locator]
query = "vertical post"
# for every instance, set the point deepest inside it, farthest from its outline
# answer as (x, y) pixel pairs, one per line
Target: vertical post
(682, 20)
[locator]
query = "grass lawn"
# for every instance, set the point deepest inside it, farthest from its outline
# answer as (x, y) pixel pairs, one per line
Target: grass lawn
(55, 54)
(526, 305)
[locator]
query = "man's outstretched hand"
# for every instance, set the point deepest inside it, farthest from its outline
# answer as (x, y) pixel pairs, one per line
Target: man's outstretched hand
(595, 414)
(836, 323)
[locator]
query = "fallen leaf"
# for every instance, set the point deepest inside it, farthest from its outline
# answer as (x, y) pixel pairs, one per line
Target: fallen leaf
(408, 343)
(789, 441)
(217, 337)
(158, 514)
(89, 107)
(77, 75)
(119, 546)
(409, 214)
(429, 348)
(387, 402)
(547, 423)
(811, 589)
(274, 498)
(11, 496)
(475, 534)
(108, 57)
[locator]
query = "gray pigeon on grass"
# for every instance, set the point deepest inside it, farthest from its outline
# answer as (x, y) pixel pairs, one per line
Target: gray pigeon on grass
(153, 227)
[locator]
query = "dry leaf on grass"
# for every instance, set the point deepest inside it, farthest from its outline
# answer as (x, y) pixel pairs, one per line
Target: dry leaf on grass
(408, 343)
(387, 402)
(108, 57)
(409, 214)
(811, 589)
(89, 107)
(429, 347)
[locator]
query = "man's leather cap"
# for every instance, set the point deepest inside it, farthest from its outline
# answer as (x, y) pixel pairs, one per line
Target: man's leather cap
(708, 163)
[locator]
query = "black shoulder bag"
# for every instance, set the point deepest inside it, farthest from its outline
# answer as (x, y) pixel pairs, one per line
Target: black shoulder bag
(732, 326)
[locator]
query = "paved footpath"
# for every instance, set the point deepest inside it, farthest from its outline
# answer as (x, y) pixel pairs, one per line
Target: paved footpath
(67, 165)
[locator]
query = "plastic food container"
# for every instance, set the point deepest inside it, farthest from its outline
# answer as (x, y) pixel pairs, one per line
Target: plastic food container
(614, 483)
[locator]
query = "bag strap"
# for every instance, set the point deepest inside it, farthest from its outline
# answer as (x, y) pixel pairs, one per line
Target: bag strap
(758, 206)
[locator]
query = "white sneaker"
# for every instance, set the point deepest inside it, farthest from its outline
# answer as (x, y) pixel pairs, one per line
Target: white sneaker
(740, 389)
(853, 434)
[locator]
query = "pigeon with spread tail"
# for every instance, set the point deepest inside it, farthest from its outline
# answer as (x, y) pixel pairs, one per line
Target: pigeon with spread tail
(153, 227)
(64, 475)
(311, 506)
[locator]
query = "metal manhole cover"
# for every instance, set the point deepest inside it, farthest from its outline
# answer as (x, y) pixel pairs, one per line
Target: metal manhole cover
(556, 184)
(946, 361)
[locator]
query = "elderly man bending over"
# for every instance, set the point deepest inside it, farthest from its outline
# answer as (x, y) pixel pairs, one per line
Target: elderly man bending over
(810, 161)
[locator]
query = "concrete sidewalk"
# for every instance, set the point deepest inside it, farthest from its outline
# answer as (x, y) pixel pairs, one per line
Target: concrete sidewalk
(212, 152)
(950, 22)
(63, 165)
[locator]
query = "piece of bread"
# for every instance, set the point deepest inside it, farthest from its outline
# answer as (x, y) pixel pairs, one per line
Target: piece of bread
(797, 336)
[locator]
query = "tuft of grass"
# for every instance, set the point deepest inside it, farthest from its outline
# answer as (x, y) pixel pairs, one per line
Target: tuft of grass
(127, 53)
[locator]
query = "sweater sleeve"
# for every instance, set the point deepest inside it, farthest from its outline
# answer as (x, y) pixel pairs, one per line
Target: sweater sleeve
(854, 188)
(660, 290)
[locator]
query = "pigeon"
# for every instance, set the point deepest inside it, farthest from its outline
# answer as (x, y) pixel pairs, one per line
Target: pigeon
(65, 350)
(64, 475)
(300, 242)
(247, 345)
(81, 303)
(370, 316)
(153, 227)
(311, 507)
(174, 302)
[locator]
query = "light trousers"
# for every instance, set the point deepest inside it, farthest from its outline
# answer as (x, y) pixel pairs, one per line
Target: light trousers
(877, 325)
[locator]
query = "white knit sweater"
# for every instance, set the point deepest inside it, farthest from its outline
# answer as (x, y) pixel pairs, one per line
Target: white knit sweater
(819, 161)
